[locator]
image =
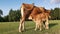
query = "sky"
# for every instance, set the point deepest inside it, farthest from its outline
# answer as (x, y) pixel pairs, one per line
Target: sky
(6, 5)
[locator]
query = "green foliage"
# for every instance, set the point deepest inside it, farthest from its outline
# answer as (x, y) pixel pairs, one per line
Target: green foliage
(6, 18)
(1, 12)
(14, 15)
(1, 18)
(55, 13)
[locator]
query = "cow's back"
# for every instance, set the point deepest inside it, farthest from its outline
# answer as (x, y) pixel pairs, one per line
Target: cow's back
(26, 9)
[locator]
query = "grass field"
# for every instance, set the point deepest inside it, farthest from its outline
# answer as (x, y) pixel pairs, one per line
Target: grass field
(12, 28)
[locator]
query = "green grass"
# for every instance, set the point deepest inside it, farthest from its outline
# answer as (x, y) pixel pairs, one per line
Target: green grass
(12, 28)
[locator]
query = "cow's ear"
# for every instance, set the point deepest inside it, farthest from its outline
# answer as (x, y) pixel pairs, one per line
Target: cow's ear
(32, 3)
(23, 3)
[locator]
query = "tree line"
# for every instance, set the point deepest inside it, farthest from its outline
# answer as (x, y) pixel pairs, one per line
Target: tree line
(15, 15)
(55, 14)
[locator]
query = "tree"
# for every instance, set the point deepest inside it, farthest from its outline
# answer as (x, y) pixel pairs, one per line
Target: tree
(6, 18)
(1, 12)
(10, 14)
(55, 13)
(14, 15)
(52, 14)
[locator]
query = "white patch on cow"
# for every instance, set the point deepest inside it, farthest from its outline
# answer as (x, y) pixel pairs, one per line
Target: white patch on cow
(30, 17)
(22, 11)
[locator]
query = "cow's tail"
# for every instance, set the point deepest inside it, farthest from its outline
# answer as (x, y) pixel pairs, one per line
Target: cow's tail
(22, 10)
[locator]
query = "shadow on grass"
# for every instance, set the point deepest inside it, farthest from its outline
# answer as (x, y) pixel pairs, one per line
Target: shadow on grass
(30, 28)
(52, 25)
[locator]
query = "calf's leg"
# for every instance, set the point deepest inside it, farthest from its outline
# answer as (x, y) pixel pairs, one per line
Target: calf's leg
(40, 25)
(37, 26)
(47, 24)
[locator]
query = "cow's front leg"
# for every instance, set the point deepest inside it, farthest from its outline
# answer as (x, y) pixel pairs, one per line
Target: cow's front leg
(47, 24)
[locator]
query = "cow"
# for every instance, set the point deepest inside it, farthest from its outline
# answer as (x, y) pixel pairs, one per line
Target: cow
(34, 13)
(26, 10)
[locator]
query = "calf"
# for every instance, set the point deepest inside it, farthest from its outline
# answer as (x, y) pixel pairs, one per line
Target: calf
(39, 18)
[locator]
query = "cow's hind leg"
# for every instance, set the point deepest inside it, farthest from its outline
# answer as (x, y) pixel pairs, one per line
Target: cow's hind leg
(21, 24)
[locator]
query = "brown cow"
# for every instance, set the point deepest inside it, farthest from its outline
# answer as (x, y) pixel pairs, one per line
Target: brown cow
(29, 10)
(26, 9)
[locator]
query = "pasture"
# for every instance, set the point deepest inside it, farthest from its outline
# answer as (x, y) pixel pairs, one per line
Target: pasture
(12, 28)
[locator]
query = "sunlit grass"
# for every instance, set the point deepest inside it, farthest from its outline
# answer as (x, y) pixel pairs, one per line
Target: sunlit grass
(12, 28)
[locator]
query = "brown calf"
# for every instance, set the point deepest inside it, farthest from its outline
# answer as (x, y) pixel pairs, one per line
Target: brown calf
(39, 19)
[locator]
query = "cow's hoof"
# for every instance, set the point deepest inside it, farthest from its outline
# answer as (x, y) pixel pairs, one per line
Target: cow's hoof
(35, 29)
(20, 31)
(40, 29)
(47, 28)
(23, 30)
